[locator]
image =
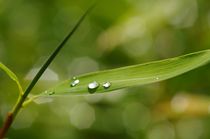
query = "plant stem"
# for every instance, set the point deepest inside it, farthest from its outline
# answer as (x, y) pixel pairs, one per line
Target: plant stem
(11, 115)
(7, 124)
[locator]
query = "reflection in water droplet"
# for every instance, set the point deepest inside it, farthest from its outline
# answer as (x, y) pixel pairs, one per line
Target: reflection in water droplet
(75, 82)
(106, 85)
(93, 86)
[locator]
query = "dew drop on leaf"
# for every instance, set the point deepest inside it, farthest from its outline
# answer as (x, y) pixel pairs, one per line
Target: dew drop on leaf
(106, 85)
(51, 93)
(74, 82)
(74, 78)
(92, 87)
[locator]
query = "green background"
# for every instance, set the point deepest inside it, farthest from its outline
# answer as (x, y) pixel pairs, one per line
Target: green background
(116, 33)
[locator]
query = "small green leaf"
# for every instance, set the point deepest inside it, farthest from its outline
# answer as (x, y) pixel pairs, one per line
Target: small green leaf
(12, 76)
(130, 76)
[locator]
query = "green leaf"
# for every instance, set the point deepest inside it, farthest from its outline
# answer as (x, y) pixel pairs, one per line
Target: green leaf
(12, 76)
(133, 75)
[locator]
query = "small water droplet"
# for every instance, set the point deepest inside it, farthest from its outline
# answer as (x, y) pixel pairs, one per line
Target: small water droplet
(74, 78)
(93, 86)
(157, 78)
(106, 85)
(74, 82)
(51, 93)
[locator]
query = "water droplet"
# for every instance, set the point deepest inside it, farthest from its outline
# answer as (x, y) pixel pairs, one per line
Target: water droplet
(74, 82)
(74, 78)
(93, 86)
(106, 85)
(157, 78)
(51, 93)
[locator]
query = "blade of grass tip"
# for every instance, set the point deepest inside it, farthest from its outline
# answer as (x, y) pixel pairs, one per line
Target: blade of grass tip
(51, 58)
(54, 54)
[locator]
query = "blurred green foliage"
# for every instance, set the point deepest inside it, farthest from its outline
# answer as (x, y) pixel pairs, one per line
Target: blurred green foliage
(117, 33)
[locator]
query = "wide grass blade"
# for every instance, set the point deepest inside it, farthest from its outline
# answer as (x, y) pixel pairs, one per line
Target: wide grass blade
(132, 75)
(12, 76)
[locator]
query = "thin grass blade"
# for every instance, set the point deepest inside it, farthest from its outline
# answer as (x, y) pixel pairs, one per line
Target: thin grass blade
(55, 53)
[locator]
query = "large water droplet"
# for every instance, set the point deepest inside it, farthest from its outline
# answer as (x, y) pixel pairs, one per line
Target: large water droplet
(106, 85)
(93, 86)
(74, 82)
